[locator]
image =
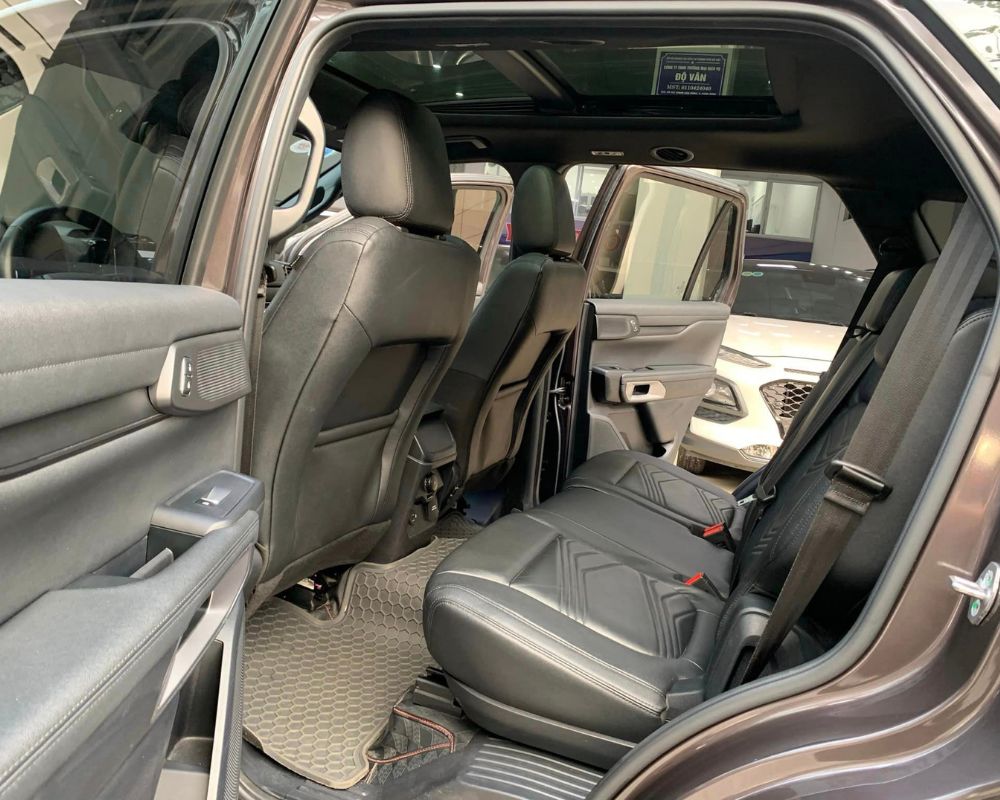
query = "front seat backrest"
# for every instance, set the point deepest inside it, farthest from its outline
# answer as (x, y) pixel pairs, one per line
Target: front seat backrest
(517, 330)
(152, 183)
(355, 343)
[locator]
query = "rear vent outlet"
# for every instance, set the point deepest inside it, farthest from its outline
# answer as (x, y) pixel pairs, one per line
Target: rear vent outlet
(672, 155)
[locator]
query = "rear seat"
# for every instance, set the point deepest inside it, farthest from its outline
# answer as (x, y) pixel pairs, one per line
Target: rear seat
(577, 626)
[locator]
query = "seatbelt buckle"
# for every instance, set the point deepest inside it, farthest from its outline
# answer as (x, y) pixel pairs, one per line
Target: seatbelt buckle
(701, 581)
(859, 478)
(718, 535)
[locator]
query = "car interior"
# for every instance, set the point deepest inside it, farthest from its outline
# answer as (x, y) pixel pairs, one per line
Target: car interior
(469, 561)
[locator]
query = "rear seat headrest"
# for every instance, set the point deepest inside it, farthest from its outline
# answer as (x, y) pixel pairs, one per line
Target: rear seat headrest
(395, 165)
(987, 288)
(542, 216)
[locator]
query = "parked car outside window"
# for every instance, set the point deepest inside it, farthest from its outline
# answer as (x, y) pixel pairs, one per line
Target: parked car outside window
(788, 320)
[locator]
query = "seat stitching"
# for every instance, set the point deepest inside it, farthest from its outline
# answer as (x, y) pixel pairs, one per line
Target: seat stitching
(106, 356)
(553, 658)
(558, 638)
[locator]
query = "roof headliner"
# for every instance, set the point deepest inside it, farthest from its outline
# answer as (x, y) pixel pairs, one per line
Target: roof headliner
(838, 118)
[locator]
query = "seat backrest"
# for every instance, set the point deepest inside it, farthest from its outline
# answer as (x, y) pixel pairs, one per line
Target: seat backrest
(355, 343)
(520, 325)
(152, 179)
(768, 550)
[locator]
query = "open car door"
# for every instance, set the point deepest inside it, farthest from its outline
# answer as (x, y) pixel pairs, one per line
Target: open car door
(127, 535)
(663, 249)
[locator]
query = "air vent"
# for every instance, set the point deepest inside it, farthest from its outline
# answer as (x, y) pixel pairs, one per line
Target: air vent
(672, 155)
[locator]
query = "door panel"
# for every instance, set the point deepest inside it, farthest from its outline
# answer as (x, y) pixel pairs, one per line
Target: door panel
(652, 362)
(121, 612)
(116, 399)
(663, 259)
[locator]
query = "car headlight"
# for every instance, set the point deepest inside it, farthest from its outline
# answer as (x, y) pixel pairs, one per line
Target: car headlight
(743, 359)
(760, 452)
(721, 394)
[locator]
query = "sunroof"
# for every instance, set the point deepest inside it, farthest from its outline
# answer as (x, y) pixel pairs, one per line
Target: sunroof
(428, 76)
(704, 70)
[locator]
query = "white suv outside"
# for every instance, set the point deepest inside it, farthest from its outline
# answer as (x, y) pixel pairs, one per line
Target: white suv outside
(787, 323)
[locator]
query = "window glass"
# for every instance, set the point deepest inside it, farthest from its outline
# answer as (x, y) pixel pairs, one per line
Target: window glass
(475, 208)
(427, 76)
(12, 85)
(777, 206)
(804, 292)
(585, 181)
(978, 22)
(799, 218)
(665, 241)
(111, 104)
(791, 210)
(294, 165)
(704, 70)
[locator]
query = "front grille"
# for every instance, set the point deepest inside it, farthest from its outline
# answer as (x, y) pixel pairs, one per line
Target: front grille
(785, 398)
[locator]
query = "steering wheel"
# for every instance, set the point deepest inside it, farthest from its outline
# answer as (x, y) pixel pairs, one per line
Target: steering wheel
(22, 230)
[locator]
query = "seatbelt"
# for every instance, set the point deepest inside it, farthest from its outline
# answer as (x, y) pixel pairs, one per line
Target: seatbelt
(830, 391)
(246, 460)
(839, 381)
(856, 481)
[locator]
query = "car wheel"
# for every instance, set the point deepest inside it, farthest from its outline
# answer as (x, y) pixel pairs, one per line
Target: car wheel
(689, 462)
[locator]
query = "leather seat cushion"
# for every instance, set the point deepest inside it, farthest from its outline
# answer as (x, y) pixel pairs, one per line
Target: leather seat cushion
(590, 613)
(660, 487)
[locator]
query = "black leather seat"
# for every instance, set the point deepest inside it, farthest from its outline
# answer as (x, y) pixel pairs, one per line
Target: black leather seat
(582, 625)
(150, 186)
(518, 328)
(355, 343)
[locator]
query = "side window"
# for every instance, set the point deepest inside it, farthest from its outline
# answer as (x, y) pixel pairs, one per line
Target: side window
(584, 182)
(665, 241)
(475, 207)
(12, 85)
(110, 110)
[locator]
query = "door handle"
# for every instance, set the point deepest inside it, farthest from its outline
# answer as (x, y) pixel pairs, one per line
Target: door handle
(642, 391)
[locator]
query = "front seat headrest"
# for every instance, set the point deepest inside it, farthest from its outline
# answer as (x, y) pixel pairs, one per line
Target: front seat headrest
(542, 216)
(395, 165)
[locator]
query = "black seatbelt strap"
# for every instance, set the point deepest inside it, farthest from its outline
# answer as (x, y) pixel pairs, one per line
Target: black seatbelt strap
(831, 391)
(856, 481)
(246, 460)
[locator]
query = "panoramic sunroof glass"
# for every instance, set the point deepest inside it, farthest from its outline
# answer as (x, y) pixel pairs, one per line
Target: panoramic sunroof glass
(699, 70)
(428, 76)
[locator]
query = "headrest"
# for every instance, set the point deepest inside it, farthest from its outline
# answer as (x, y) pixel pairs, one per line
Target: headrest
(395, 165)
(542, 217)
(885, 299)
(987, 287)
(190, 106)
(894, 326)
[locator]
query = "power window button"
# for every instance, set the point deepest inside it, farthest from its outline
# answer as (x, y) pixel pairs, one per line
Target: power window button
(186, 376)
(213, 498)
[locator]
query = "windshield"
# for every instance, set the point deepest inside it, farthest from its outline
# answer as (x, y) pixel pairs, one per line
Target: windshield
(802, 292)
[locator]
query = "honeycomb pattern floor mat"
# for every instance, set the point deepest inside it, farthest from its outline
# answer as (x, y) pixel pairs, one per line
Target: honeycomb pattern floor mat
(320, 692)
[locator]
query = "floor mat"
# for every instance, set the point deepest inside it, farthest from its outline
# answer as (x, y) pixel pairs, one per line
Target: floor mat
(320, 692)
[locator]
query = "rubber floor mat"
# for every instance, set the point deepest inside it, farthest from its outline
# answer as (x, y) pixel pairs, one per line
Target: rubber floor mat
(320, 692)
